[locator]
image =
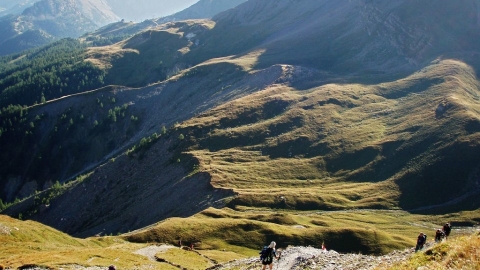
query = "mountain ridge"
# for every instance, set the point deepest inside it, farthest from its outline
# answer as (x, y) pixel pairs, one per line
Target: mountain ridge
(53, 19)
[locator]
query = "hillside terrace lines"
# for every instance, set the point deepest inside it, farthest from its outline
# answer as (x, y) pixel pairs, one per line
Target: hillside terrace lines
(360, 121)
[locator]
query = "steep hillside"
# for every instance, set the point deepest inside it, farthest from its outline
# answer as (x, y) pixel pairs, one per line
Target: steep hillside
(85, 130)
(368, 38)
(118, 31)
(53, 19)
(339, 106)
(404, 137)
(46, 73)
(346, 36)
(331, 147)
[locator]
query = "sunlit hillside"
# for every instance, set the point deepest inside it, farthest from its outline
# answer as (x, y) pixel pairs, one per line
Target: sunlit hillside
(350, 123)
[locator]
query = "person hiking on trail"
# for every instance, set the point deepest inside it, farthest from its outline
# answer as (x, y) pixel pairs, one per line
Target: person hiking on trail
(421, 240)
(446, 229)
(439, 234)
(267, 256)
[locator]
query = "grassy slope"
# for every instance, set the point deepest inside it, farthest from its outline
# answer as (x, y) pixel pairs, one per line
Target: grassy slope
(223, 235)
(150, 56)
(333, 147)
(456, 253)
(336, 146)
(28, 242)
(247, 230)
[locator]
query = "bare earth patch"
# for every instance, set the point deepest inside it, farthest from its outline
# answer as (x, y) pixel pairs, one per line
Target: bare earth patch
(150, 251)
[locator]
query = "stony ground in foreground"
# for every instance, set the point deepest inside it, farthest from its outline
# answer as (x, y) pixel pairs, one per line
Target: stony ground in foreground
(312, 258)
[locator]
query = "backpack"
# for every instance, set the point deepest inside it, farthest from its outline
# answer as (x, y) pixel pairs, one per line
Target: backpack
(263, 253)
(447, 228)
(266, 254)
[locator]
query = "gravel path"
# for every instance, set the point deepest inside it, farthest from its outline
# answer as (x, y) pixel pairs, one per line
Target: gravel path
(299, 258)
(152, 250)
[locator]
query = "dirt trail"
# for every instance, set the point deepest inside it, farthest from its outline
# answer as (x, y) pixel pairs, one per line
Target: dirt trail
(296, 258)
(150, 251)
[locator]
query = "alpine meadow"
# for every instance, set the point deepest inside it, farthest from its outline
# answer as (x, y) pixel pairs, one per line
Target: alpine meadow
(193, 140)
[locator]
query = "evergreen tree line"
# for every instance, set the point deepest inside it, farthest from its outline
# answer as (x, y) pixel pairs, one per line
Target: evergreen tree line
(39, 75)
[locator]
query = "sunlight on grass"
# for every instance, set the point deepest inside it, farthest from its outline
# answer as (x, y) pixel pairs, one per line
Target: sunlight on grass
(28, 242)
(185, 259)
(456, 253)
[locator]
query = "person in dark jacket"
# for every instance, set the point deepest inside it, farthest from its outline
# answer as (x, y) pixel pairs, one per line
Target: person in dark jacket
(421, 240)
(447, 229)
(439, 235)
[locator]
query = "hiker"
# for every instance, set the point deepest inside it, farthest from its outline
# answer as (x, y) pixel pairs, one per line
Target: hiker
(439, 234)
(267, 256)
(447, 229)
(111, 267)
(421, 240)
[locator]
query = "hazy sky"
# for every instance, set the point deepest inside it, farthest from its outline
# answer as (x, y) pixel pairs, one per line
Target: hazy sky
(172, 6)
(138, 10)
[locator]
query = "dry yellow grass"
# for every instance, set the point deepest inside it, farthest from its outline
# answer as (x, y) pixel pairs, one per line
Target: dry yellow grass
(103, 57)
(185, 259)
(455, 253)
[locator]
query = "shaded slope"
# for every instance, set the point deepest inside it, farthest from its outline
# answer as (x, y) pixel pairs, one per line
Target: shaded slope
(150, 56)
(347, 35)
(99, 125)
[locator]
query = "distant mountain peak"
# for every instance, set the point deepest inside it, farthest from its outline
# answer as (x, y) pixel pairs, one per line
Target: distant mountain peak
(97, 11)
(48, 20)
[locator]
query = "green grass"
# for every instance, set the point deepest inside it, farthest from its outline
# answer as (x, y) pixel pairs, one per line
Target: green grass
(246, 230)
(221, 236)
(28, 242)
(185, 259)
(341, 146)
